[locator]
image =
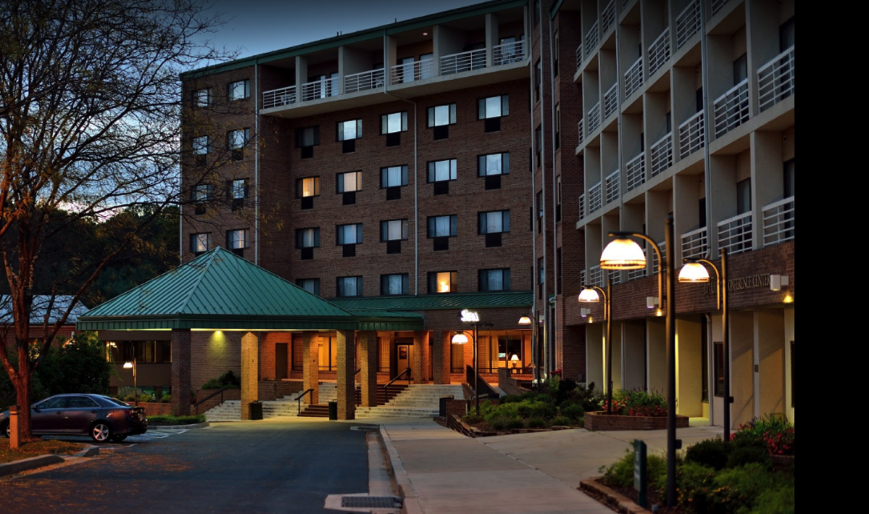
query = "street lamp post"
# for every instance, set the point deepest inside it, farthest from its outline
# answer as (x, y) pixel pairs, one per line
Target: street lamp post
(625, 254)
(472, 317)
(693, 271)
(132, 365)
(535, 343)
(589, 294)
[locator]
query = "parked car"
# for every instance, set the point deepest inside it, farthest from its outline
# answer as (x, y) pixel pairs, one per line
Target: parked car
(101, 417)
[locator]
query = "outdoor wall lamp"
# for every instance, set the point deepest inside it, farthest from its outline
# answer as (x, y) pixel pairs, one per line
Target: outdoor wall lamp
(589, 294)
(535, 344)
(132, 365)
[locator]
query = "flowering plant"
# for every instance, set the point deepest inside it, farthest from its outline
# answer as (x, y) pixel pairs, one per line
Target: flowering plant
(638, 403)
(776, 434)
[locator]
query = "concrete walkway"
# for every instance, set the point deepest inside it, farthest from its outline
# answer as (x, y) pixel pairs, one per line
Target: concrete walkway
(442, 471)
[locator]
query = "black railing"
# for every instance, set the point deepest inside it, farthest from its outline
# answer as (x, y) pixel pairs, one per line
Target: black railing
(482, 388)
(299, 399)
(210, 396)
(398, 377)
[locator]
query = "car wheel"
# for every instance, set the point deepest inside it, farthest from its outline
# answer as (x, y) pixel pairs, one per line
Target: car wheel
(101, 432)
(119, 438)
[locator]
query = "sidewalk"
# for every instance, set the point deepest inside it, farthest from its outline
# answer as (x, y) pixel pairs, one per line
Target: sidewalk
(442, 471)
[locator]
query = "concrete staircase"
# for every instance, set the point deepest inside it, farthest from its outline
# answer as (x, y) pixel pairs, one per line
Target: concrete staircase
(417, 401)
(230, 410)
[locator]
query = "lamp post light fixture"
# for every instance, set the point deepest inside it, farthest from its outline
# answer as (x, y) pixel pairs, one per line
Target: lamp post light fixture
(472, 317)
(589, 294)
(625, 254)
(132, 365)
(693, 271)
(535, 343)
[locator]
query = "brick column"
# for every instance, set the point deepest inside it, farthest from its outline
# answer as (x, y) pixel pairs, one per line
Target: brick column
(249, 372)
(346, 374)
(368, 363)
(311, 366)
(441, 357)
(181, 372)
(420, 345)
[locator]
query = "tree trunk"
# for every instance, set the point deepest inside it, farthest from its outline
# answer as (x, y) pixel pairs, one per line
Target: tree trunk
(22, 394)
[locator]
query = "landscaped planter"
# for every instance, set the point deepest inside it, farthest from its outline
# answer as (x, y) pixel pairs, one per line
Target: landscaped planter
(603, 421)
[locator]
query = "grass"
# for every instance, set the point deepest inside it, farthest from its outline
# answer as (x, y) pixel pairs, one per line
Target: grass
(37, 448)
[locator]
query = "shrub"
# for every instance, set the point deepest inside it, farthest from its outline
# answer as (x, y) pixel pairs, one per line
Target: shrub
(145, 397)
(562, 421)
(711, 452)
(166, 398)
(536, 422)
(637, 402)
(775, 434)
(621, 474)
(748, 453)
(176, 420)
(472, 418)
(226, 381)
(573, 411)
(776, 501)
(698, 493)
(514, 423)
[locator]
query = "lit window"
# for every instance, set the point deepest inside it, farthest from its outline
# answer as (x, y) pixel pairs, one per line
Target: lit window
(202, 97)
(441, 115)
(349, 182)
(443, 282)
(348, 130)
(349, 286)
(200, 243)
(306, 187)
(393, 176)
(494, 222)
(311, 285)
(393, 230)
(308, 238)
(238, 239)
(493, 107)
(393, 284)
(239, 90)
(393, 123)
(493, 164)
(442, 226)
(349, 234)
(494, 279)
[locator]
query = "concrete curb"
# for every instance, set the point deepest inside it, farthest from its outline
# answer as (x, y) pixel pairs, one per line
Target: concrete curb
(88, 452)
(410, 503)
(618, 502)
(178, 427)
(27, 464)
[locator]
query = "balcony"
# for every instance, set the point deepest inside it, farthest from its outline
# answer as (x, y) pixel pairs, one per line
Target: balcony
(659, 51)
(615, 276)
(634, 77)
(687, 23)
(322, 88)
(591, 40)
(278, 97)
(579, 57)
(608, 16)
(594, 118)
(594, 198)
(695, 244)
(731, 109)
(636, 171)
(717, 5)
(595, 276)
(636, 273)
(691, 135)
(775, 79)
(778, 222)
(364, 81)
(582, 206)
(661, 155)
(418, 70)
(508, 53)
(734, 233)
(612, 187)
(579, 131)
(611, 100)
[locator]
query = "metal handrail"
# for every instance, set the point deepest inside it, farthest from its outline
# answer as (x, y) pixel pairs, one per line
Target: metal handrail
(299, 399)
(397, 377)
(210, 396)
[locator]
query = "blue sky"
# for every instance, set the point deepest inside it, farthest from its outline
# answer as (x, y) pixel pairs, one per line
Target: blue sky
(258, 26)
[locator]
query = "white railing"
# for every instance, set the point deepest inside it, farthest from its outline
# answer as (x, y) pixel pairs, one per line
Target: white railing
(656, 265)
(579, 130)
(661, 155)
(778, 221)
(372, 79)
(687, 23)
(410, 72)
(691, 135)
(594, 118)
(582, 275)
(615, 276)
(317, 89)
(695, 244)
(636, 171)
(775, 79)
(579, 56)
(611, 100)
(595, 276)
(582, 206)
(507, 53)
(278, 97)
(717, 5)
(634, 77)
(636, 273)
(591, 40)
(731, 109)
(659, 51)
(612, 187)
(594, 198)
(465, 61)
(608, 16)
(734, 233)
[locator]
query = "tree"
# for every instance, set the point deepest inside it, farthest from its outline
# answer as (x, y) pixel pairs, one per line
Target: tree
(90, 115)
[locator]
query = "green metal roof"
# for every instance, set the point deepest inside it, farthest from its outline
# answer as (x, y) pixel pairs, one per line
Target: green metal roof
(441, 301)
(221, 291)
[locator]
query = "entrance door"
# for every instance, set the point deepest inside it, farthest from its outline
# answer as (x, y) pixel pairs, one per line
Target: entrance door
(281, 359)
(404, 358)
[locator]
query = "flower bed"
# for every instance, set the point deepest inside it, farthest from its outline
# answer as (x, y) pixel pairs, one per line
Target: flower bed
(603, 421)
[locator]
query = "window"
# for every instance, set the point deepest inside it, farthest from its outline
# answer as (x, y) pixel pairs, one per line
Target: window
(238, 240)
(349, 182)
(201, 148)
(555, 56)
(743, 196)
(201, 194)
(492, 109)
(238, 189)
(494, 222)
(443, 282)
(348, 133)
(306, 139)
(308, 238)
(492, 166)
(442, 226)
(558, 198)
(440, 118)
(558, 126)
(494, 279)
(541, 275)
(307, 189)
(349, 286)
(349, 234)
(236, 140)
(392, 179)
(311, 285)
(202, 97)
(239, 90)
(440, 173)
(539, 211)
(393, 125)
(393, 232)
(538, 143)
(393, 284)
(200, 243)
(538, 79)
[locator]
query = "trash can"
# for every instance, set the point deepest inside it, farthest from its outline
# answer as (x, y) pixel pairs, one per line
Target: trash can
(333, 410)
(256, 410)
(442, 411)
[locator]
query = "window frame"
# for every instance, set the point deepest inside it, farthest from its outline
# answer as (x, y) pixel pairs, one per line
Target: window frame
(482, 107)
(197, 238)
(300, 237)
(341, 234)
(483, 284)
(198, 94)
(452, 172)
(300, 187)
(340, 179)
(233, 86)
(245, 239)
(384, 122)
(433, 281)
(431, 118)
(315, 281)
(340, 133)
(384, 230)
(384, 176)
(236, 185)
(301, 134)
(483, 162)
(358, 286)
(431, 226)
(385, 284)
(482, 229)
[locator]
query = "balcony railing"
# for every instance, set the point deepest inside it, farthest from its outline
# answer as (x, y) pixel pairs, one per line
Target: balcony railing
(579, 131)
(656, 265)
(691, 135)
(372, 79)
(594, 198)
(661, 155)
(417, 70)
(579, 56)
(778, 221)
(591, 40)
(636, 273)
(612, 187)
(317, 89)
(508, 53)
(659, 51)
(687, 23)
(608, 16)
(595, 276)
(611, 100)
(695, 244)
(731, 109)
(582, 276)
(775, 79)
(615, 276)
(594, 118)
(734, 233)
(636, 171)
(717, 5)
(465, 61)
(278, 97)
(582, 206)
(634, 77)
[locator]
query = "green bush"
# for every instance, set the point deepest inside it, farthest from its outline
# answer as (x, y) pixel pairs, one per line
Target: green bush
(590, 399)
(176, 420)
(562, 421)
(637, 402)
(574, 411)
(472, 418)
(748, 453)
(698, 492)
(774, 433)
(226, 381)
(536, 422)
(711, 452)
(775, 501)
(621, 474)
(166, 398)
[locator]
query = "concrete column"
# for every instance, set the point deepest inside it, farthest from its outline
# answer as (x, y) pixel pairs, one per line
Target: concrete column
(368, 363)
(420, 345)
(491, 38)
(249, 372)
(311, 366)
(346, 374)
(440, 357)
(181, 372)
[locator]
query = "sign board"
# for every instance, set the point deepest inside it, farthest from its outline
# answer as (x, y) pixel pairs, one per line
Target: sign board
(640, 472)
(470, 316)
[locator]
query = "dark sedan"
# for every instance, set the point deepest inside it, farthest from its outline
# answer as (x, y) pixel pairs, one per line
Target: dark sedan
(101, 417)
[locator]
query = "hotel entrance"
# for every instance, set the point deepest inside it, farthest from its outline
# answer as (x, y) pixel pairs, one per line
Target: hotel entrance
(404, 357)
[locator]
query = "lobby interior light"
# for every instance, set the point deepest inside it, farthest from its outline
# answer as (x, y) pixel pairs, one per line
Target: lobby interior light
(128, 365)
(460, 339)
(588, 295)
(524, 320)
(622, 254)
(693, 272)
